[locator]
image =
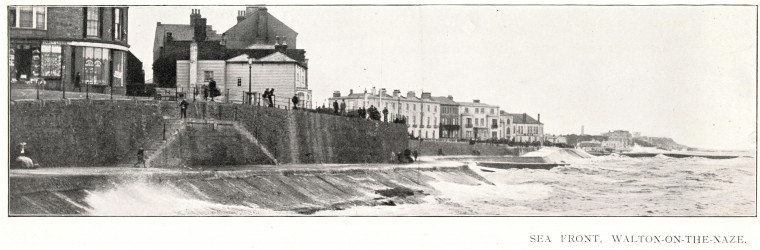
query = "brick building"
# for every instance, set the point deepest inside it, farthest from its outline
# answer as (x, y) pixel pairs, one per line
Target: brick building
(54, 43)
(449, 121)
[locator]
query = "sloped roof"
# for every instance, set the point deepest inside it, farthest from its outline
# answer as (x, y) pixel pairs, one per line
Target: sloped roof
(444, 100)
(518, 119)
(274, 57)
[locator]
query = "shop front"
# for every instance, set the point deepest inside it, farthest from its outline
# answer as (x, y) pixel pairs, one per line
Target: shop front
(101, 66)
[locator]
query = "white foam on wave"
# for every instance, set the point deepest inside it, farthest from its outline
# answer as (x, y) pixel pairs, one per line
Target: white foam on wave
(148, 199)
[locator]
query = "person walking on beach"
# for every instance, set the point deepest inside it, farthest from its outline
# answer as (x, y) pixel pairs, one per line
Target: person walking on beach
(415, 155)
(78, 82)
(183, 108)
(295, 102)
(140, 158)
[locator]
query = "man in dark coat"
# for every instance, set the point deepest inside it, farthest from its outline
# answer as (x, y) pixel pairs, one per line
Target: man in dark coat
(78, 82)
(140, 158)
(385, 114)
(335, 106)
(183, 108)
(295, 102)
(271, 94)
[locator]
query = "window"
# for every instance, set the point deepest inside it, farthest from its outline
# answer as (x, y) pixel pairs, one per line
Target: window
(492, 111)
(208, 76)
(428, 121)
(435, 120)
(435, 109)
(466, 110)
(414, 107)
(117, 26)
(482, 121)
(407, 107)
(93, 22)
(11, 16)
(239, 81)
(26, 17)
(476, 121)
(428, 108)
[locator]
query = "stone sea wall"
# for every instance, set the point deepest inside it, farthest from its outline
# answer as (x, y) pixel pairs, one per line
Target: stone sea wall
(101, 133)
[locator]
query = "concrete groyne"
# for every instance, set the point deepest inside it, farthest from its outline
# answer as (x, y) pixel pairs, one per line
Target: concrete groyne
(293, 189)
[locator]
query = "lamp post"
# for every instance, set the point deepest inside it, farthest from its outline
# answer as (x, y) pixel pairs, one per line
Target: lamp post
(250, 65)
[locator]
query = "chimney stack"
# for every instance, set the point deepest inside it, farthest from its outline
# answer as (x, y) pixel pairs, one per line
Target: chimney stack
(476, 101)
(426, 95)
(373, 90)
(539, 118)
(241, 15)
(194, 14)
(336, 94)
(396, 92)
(382, 92)
(280, 44)
(410, 94)
(525, 118)
(261, 30)
(350, 91)
(451, 97)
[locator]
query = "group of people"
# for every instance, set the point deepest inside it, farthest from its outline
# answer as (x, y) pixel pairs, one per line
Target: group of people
(406, 156)
(372, 113)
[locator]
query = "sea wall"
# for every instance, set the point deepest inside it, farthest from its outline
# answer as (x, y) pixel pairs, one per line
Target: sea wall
(81, 133)
(298, 190)
(100, 133)
(463, 148)
(210, 145)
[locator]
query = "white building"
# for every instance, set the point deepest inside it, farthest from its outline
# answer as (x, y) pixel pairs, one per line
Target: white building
(479, 120)
(275, 70)
(524, 128)
(421, 113)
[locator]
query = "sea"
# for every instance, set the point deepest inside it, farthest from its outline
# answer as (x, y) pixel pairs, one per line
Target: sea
(600, 186)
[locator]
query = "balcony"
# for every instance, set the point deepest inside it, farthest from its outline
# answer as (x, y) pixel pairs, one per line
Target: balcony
(435, 126)
(414, 126)
(494, 126)
(428, 126)
(468, 126)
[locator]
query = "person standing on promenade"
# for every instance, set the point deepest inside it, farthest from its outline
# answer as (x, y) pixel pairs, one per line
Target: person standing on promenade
(271, 93)
(295, 102)
(78, 82)
(265, 96)
(415, 155)
(183, 108)
(385, 114)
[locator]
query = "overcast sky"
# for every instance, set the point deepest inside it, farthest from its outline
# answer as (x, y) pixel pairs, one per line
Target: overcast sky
(682, 72)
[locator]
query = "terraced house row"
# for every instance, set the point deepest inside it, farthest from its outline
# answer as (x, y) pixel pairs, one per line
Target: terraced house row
(440, 117)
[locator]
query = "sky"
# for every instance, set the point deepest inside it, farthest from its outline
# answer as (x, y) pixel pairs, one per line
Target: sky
(684, 72)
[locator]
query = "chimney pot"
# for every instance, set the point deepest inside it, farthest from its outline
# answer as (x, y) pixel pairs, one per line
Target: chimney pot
(396, 92)
(351, 91)
(410, 94)
(426, 95)
(539, 118)
(451, 97)
(476, 101)
(373, 90)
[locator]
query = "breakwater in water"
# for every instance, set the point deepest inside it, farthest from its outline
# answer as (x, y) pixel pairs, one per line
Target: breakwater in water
(250, 190)
(464, 148)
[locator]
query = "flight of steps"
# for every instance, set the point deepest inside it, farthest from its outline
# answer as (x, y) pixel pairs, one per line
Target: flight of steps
(172, 127)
